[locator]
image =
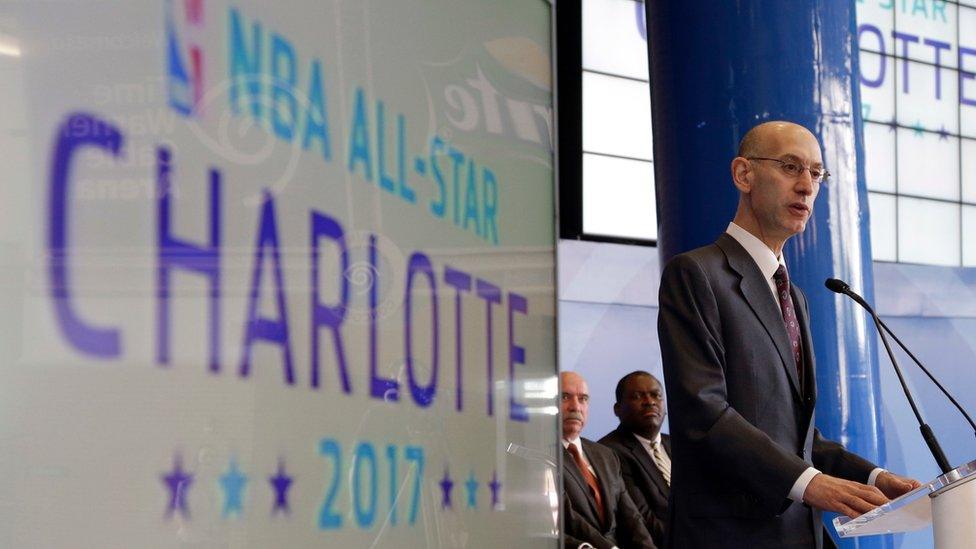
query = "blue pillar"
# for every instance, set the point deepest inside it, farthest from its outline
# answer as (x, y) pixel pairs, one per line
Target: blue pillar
(717, 70)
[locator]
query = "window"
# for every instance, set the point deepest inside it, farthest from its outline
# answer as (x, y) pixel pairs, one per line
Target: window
(616, 201)
(618, 174)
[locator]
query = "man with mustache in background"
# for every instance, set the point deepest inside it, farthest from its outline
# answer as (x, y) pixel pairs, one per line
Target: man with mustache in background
(645, 453)
(598, 512)
(750, 469)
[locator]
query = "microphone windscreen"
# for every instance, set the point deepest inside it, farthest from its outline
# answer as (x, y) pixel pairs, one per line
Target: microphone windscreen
(836, 285)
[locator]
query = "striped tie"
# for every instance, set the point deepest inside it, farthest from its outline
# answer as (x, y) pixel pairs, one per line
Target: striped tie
(662, 461)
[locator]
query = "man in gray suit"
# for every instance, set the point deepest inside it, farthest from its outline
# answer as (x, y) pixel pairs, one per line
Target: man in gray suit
(750, 469)
(598, 512)
(644, 452)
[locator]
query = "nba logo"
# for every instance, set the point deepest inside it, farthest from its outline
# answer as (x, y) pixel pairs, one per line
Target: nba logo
(184, 64)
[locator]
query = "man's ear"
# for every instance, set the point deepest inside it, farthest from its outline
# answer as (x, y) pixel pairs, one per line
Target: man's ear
(616, 409)
(742, 174)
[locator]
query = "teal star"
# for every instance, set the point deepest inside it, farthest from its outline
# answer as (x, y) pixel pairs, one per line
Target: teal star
(917, 128)
(472, 486)
(233, 483)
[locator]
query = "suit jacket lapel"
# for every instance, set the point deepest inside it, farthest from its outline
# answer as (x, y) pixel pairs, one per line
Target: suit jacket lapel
(577, 476)
(640, 453)
(809, 366)
(756, 291)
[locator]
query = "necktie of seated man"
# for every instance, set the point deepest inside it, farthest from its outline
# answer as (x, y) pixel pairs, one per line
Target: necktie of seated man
(789, 317)
(591, 481)
(662, 461)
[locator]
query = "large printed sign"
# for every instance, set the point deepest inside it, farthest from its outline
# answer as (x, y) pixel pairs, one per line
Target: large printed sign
(917, 74)
(925, 50)
(278, 274)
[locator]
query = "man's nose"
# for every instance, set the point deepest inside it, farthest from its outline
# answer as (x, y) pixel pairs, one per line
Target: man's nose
(804, 183)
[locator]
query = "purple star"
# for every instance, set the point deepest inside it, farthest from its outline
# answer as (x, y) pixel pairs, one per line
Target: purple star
(446, 485)
(178, 482)
(495, 489)
(943, 134)
(281, 482)
(892, 125)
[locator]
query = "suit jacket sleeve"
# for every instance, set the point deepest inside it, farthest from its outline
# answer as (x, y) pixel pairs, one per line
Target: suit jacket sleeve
(690, 332)
(831, 458)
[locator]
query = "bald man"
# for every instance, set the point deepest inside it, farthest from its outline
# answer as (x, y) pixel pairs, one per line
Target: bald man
(598, 512)
(749, 467)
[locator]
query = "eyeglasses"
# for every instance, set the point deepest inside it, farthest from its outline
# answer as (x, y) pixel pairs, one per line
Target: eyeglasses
(795, 169)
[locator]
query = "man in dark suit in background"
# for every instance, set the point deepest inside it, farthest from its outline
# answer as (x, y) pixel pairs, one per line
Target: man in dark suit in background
(750, 469)
(598, 512)
(645, 453)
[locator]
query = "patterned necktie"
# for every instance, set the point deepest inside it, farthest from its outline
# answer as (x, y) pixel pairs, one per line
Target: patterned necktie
(789, 317)
(591, 481)
(662, 461)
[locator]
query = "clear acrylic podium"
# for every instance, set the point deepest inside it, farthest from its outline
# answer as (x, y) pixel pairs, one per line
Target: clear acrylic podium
(948, 503)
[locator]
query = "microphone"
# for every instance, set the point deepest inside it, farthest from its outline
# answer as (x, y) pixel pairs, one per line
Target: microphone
(841, 287)
(837, 286)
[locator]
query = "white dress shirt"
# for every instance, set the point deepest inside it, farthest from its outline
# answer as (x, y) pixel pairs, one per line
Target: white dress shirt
(767, 262)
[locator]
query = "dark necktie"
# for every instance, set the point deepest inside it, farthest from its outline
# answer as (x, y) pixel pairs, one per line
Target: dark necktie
(591, 481)
(789, 317)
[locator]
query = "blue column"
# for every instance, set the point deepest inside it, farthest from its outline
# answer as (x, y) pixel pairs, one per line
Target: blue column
(720, 68)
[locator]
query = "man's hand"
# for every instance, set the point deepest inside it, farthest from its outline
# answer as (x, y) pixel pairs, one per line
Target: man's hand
(842, 496)
(893, 485)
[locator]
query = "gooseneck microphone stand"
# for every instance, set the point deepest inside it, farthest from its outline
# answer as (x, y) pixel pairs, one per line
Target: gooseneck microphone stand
(841, 287)
(930, 376)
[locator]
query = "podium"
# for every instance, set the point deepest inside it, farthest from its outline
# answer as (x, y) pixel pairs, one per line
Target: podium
(948, 503)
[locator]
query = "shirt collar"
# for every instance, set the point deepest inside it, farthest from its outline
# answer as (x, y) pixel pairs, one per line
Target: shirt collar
(760, 253)
(575, 442)
(648, 441)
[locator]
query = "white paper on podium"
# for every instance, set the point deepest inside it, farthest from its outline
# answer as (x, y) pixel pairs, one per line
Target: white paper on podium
(912, 511)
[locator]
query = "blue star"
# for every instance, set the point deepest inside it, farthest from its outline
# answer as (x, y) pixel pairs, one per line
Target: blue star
(446, 485)
(472, 486)
(178, 482)
(233, 483)
(495, 489)
(943, 133)
(281, 482)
